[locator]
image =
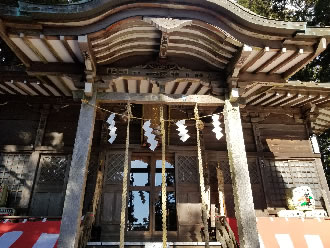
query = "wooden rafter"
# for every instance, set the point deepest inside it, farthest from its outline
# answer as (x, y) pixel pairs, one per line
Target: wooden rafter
(69, 50)
(33, 48)
(64, 84)
(23, 89)
(255, 59)
(7, 89)
(321, 46)
(13, 87)
(271, 60)
(185, 90)
(47, 81)
(25, 60)
(50, 48)
(288, 60)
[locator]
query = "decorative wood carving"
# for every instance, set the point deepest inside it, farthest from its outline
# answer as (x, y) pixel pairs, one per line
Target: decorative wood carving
(167, 25)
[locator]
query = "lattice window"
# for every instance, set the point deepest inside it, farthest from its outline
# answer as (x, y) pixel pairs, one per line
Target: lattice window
(114, 164)
(13, 168)
(53, 169)
(253, 171)
(282, 175)
(187, 168)
(224, 166)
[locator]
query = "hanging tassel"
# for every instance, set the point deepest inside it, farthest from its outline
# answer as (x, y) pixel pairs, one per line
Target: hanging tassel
(125, 176)
(216, 124)
(162, 123)
(112, 128)
(150, 136)
(201, 179)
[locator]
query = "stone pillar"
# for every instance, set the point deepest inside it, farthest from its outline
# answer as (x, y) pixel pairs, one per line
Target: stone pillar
(74, 196)
(244, 207)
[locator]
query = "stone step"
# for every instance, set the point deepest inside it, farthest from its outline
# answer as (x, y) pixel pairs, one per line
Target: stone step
(151, 244)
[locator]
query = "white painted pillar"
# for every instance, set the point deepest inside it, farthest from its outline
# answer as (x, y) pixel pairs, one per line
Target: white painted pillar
(75, 191)
(244, 207)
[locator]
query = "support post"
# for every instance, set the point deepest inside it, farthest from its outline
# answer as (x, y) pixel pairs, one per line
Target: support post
(244, 207)
(74, 197)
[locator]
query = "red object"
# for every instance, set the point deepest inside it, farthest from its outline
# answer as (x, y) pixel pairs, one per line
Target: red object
(31, 231)
(233, 225)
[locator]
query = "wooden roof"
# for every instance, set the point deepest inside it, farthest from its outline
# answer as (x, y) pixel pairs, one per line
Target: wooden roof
(172, 47)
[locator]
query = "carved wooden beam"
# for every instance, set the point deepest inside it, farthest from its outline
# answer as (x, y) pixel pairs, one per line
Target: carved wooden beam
(90, 61)
(163, 45)
(237, 62)
(147, 98)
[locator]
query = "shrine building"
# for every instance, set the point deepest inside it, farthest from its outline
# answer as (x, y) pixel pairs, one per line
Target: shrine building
(141, 122)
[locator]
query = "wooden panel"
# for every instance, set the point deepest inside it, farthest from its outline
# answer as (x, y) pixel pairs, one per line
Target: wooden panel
(285, 174)
(111, 207)
(18, 124)
(47, 204)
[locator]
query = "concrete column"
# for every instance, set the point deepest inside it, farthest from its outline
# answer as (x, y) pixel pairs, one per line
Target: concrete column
(244, 207)
(74, 197)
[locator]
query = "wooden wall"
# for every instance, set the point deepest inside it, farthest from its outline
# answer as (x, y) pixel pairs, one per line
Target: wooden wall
(273, 138)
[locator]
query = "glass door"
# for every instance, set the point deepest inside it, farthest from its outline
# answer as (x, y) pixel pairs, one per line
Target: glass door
(144, 197)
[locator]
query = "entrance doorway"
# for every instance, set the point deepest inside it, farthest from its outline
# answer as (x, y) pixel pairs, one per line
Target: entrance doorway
(144, 213)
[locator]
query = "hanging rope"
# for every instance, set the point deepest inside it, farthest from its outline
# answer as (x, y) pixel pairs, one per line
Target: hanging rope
(125, 175)
(201, 179)
(85, 101)
(162, 123)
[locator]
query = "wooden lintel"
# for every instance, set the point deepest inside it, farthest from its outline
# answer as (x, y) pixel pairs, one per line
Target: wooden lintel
(25, 60)
(260, 77)
(147, 98)
(322, 45)
(55, 69)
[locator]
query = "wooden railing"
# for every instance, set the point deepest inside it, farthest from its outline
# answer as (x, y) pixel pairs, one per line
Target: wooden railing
(224, 234)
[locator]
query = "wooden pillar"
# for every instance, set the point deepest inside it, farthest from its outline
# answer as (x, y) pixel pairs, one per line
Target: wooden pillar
(244, 207)
(74, 197)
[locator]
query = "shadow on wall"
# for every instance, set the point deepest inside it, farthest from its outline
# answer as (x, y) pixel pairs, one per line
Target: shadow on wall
(55, 139)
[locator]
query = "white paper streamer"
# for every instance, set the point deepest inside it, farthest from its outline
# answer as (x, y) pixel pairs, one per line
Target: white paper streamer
(112, 128)
(217, 129)
(150, 136)
(183, 132)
